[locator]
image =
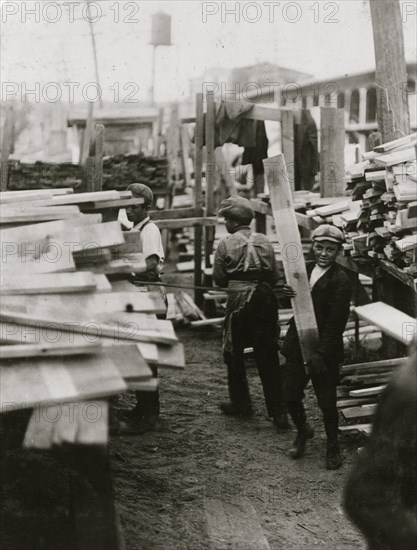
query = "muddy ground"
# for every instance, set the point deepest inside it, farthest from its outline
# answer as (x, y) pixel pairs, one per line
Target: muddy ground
(167, 482)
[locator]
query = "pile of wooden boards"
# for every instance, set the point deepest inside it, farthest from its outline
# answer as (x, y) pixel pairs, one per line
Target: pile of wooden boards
(68, 335)
(43, 175)
(362, 384)
(121, 170)
(379, 219)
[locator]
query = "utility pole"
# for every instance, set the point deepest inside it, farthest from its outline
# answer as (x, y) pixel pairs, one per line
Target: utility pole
(390, 69)
(93, 41)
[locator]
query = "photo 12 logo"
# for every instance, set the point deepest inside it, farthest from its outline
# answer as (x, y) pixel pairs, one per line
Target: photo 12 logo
(70, 12)
(272, 12)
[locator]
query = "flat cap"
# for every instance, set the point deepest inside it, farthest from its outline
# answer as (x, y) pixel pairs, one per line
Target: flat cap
(237, 208)
(328, 232)
(140, 190)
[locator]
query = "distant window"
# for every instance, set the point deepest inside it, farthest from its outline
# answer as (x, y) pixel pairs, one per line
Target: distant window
(354, 106)
(371, 105)
(304, 102)
(315, 100)
(341, 100)
(411, 87)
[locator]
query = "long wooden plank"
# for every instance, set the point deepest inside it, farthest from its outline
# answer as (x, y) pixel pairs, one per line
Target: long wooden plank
(50, 350)
(186, 222)
(366, 392)
(391, 321)
(365, 411)
(396, 157)
(374, 365)
(395, 143)
(47, 283)
(332, 151)
(211, 167)
(292, 253)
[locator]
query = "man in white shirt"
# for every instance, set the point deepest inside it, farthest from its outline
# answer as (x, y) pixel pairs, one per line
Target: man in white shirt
(150, 244)
(149, 235)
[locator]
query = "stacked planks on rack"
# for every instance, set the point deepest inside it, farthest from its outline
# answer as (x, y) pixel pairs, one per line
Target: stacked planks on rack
(68, 335)
(379, 218)
(362, 384)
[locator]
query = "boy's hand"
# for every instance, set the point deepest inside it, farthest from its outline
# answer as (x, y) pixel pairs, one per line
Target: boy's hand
(288, 291)
(316, 365)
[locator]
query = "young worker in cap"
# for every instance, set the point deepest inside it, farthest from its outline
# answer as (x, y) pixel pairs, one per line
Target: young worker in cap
(150, 244)
(331, 294)
(244, 263)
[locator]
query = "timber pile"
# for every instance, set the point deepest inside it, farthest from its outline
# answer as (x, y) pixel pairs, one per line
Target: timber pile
(121, 170)
(43, 175)
(379, 220)
(68, 336)
(362, 384)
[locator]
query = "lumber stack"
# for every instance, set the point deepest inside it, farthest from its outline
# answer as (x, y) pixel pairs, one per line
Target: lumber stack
(379, 219)
(120, 170)
(69, 339)
(43, 175)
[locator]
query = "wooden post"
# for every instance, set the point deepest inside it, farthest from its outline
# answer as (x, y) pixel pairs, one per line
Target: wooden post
(292, 253)
(185, 152)
(158, 137)
(391, 70)
(7, 146)
(198, 195)
(210, 160)
(98, 158)
(287, 133)
(210, 173)
(88, 134)
(332, 151)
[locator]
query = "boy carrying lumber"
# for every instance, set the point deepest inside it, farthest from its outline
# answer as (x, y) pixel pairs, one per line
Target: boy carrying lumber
(331, 294)
(150, 244)
(244, 263)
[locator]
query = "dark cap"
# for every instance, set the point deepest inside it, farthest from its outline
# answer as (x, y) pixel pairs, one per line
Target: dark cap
(140, 190)
(328, 232)
(236, 208)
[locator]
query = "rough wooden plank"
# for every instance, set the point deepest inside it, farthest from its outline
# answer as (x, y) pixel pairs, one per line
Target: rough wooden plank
(391, 321)
(397, 157)
(366, 392)
(50, 350)
(292, 253)
(332, 151)
(233, 525)
(47, 283)
(366, 411)
(363, 428)
(372, 365)
(395, 143)
(186, 222)
(211, 167)
(287, 132)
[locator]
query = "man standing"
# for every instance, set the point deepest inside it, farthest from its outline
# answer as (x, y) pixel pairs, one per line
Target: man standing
(244, 263)
(331, 294)
(150, 244)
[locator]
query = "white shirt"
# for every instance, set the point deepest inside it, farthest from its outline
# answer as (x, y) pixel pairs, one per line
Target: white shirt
(317, 273)
(150, 240)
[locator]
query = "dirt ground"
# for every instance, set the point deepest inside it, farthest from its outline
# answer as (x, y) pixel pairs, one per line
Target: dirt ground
(168, 481)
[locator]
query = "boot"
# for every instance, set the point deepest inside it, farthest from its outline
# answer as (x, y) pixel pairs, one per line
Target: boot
(280, 421)
(333, 457)
(299, 446)
(230, 409)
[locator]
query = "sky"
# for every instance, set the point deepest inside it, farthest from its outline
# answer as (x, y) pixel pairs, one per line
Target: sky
(44, 50)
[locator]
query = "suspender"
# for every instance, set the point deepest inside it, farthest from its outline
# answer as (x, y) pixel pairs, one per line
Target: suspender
(251, 254)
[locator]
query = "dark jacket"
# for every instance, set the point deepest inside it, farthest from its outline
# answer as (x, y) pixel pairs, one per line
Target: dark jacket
(381, 491)
(331, 299)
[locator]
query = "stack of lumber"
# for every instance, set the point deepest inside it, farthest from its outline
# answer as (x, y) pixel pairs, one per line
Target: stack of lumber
(182, 309)
(380, 218)
(69, 338)
(361, 384)
(121, 170)
(43, 175)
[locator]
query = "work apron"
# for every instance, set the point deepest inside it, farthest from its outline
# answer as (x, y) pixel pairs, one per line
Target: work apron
(240, 292)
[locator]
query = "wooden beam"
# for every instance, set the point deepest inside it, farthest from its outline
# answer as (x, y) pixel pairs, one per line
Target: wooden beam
(177, 213)
(186, 222)
(287, 139)
(211, 167)
(391, 321)
(185, 152)
(98, 158)
(332, 152)
(391, 70)
(6, 146)
(198, 157)
(292, 253)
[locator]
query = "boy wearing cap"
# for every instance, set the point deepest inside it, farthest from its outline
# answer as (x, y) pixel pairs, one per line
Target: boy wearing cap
(150, 244)
(331, 294)
(244, 263)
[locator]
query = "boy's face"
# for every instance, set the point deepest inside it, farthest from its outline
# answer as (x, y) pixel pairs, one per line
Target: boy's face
(231, 225)
(325, 252)
(136, 213)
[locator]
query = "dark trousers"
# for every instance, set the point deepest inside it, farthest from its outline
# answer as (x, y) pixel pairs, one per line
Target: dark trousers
(263, 339)
(295, 382)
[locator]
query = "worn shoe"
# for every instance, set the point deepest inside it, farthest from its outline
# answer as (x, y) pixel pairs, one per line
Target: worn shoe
(281, 422)
(299, 446)
(333, 456)
(233, 410)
